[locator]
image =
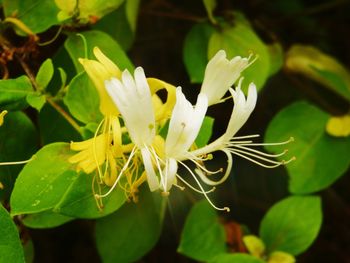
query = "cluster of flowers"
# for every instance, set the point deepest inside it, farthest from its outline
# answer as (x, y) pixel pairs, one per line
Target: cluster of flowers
(129, 148)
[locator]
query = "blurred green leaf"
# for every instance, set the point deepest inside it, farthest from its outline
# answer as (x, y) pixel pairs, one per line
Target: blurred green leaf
(83, 100)
(235, 258)
(203, 237)
(44, 74)
(121, 30)
(54, 128)
(205, 132)
(36, 100)
(45, 219)
(75, 47)
(38, 15)
(43, 181)
(80, 202)
(13, 93)
(314, 64)
(19, 142)
(195, 52)
(129, 233)
(28, 250)
(132, 8)
(276, 57)
(241, 40)
(320, 158)
(292, 224)
(88, 10)
(10, 244)
(209, 7)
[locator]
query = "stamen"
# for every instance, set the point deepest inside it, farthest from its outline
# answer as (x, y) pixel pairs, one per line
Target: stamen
(260, 152)
(206, 180)
(94, 147)
(205, 169)
(18, 162)
(119, 176)
(245, 137)
(204, 192)
(182, 188)
(192, 187)
(241, 154)
(291, 139)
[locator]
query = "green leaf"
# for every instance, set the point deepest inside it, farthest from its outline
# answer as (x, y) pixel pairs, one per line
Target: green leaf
(235, 258)
(80, 202)
(36, 100)
(45, 219)
(132, 8)
(241, 40)
(320, 159)
(87, 11)
(28, 250)
(209, 7)
(203, 237)
(292, 224)
(276, 57)
(10, 244)
(75, 47)
(121, 30)
(19, 142)
(314, 64)
(44, 74)
(129, 233)
(13, 93)
(83, 100)
(205, 132)
(43, 181)
(38, 15)
(195, 52)
(54, 128)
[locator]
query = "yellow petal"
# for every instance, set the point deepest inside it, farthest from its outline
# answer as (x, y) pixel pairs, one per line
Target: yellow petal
(255, 245)
(98, 75)
(92, 153)
(280, 257)
(112, 68)
(165, 110)
(2, 115)
(339, 126)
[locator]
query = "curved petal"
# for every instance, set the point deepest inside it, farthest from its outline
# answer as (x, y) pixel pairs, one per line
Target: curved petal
(152, 178)
(221, 74)
(185, 124)
(133, 98)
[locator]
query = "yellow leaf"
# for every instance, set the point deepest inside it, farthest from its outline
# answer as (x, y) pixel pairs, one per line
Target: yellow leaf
(339, 126)
(280, 257)
(255, 245)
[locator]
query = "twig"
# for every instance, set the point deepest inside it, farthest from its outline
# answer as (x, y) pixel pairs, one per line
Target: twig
(57, 107)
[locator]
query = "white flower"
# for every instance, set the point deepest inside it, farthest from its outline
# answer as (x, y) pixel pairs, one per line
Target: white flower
(240, 146)
(133, 98)
(184, 127)
(221, 74)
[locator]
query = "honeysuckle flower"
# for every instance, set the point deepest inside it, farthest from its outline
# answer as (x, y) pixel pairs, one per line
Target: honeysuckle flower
(100, 70)
(220, 74)
(133, 98)
(106, 148)
(239, 145)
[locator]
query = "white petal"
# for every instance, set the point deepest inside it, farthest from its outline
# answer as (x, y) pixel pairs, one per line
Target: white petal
(241, 110)
(221, 74)
(185, 124)
(152, 178)
(171, 170)
(134, 101)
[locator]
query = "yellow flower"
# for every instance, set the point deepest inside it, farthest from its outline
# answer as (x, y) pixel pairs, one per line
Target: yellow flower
(2, 115)
(99, 71)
